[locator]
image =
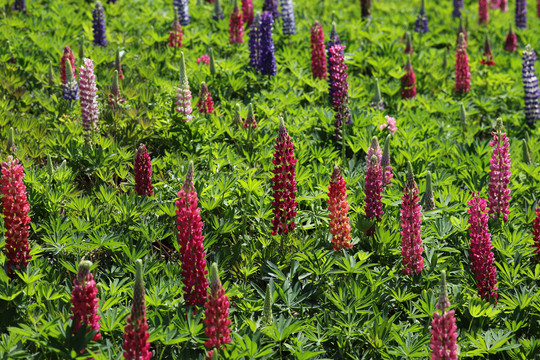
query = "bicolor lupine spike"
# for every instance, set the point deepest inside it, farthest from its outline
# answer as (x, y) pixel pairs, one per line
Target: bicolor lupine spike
(70, 89)
(481, 253)
(339, 88)
(84, 300)
(272, 6)
(530, 85)
(190, 238)
(218, 11)
(408, 82)
(267, 308)
(458, 5)
(499, 175)
(510, 43)
(373, 150)
(205, 105)
(318, 51)
(408, 44)
(385, 163)
(176, 34)
(284, 183)
(183, 92)
(236, 25)
(115, 97)
(377, 102)
(50, 74)
(521, 14)
(267, 63)
(487, 53)
(98, 25)
(182, 9)
(338, 206)
(373, 192)
(443, 328)
(67, 55)
(16, 220)
(19, 5)
(421, 22)
(525, 153)
(118, 64)
(429, 196)
(250, 121)
(483, 12)
(247, 12)
(255, 42)
(411, 219)
(461, 30)
(136, 344)
(536, 233)
(142, 170)
(10, 146)
(89, 105)
(287, 12)
(365, 7)
(463, 74)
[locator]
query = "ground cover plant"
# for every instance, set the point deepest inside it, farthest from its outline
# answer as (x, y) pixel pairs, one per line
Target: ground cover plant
(277, 180)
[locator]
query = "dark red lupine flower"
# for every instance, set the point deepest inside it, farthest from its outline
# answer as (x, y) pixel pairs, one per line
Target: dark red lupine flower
(408, 82)
(205, 103)
(483, 12)
(136, 344)
(16, 219)
(443, 328)
(284, 183)
(338, 206)
(411, 218)
(499, 174)
(463, 74)
(68, 54)
(143, 172)
(176, 34)
(318, 51)
(190, 238)
(510, 43)
(408, 44)
(482, 259)
(84, 300)
(236, 26)
(536, 233)
(339, 87)
(247, 12)
(487, 54)
(373, 191)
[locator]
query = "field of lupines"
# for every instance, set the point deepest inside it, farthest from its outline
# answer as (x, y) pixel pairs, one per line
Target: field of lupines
(269, 180)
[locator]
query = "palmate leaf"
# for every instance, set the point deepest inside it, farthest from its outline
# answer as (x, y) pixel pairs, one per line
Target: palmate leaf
(490, 342)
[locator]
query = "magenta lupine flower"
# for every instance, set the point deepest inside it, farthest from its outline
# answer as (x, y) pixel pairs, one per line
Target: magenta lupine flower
(205, 105)
(408, 82)
(284, 183)
(483, 12)
(338, 206)
(247, 12)
(16, 219)
(510, 43)
(373, 150)
(373, 192)
(463, 74)
(136, 344)
(482, 259)
(339, 87)
(143, 172)
(536, 233)
(487, 54)
(443, 328)
(318, 51)
(205, 59)
(236, 26)
(385, 163)
(84, 300)
(88, 96)
(495, 4)
(411, 218)
(190, 238)
(499, 175)
(68, 54)
(183, 92)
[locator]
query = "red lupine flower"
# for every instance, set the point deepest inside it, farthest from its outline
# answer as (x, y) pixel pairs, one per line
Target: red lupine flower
(482, 259)
(84, 300)
(374, 150)
(216, 315)
(68, 54)
(205, 103)
(176, 35)
(373, 191)
(385, 163)
(536, 232)
(499, 175)
(247, 12)
(236, 26)
(487, 54)
(136, 346)
(318, 51)
(510, 43)
(443, 328)
(411, 218)
(191, 240)
(16, 219)
(463, 74)
(338, 206)
(284, 183)
(483, 12)
(143, 172)
(408, 82)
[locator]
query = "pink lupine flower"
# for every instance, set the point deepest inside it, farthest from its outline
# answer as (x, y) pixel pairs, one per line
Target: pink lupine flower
(136, 344)
(68, 54)
(284, 183)
(190, 238)
(16, 219)
(176, 34)
(536, 233)
(338, 206)
(390, 125)
(374, 150)
(247, 12)
(499, 175)
(408, 82)
(88, 97)
(236, 26)
(143, 172)
(443, 328)
(216, 315)
(483, 12)
(463, 74)
(205, 59)
(183, 92)
(318, 51)
(510, 43)
(481, 253)
(84, 300)
(205, 103)
(373, 191)
(411, 218)
(385, 163)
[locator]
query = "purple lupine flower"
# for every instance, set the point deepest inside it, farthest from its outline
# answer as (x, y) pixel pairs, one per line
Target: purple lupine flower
(182, 8)
(218, 11)
(19, 5)
(334, 40)
(458, 5)
(521, 14)
(340, 88)
(530, 85)
(70, 89)
(421, 22)
(98, 25)
(273, 7)
(287, 12)
(255, 42)
(499, 174)
(89, 105)
(267, 64)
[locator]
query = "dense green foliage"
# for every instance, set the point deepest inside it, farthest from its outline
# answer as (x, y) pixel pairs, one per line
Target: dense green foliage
(326, 305)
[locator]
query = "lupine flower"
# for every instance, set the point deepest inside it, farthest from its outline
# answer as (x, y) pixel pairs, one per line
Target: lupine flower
(365, 7)
(408, 82)
(390, 125)
(19, 5)
(373, 150)
(463, 74)
(443, 328)
(482, 259)
(205, 59)
(487, 54)
(250, 121)
(136, 344)
(284, 183)
(217, 322)
(373, 192)
(84, 300)
(385, 163)
(247, 12)
(318, 52)
(218, 12)
(272, 6)
(176, 34)
(182, 8)
(190, 238)
(287, 12)
(143, 172)
(89, 106)
(421, 22)
(255, 42)
(16, 219)
(267, 308)
(267, 64)
(408, 44)
(429, 197)
(458, 4)
(525, 153)
(334, 40)
(338, 206)
(377, 103)
(205, 103)
(504, 5)
(10, 146)
(236, 26)
(521, 14)
(536, 233)
(70, 89)
(118, 65)
(510, 43)
(461, 30)
(483, 12)
(115, 97)
(499, 175)
(411, 218)
(530, 85)
(495, 4)
(340, 88)
(183, 92)
(98, 25)
(68, 55)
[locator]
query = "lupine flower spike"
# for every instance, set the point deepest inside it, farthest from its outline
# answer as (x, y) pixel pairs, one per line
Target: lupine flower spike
(521, 14)
(390, 125)
(84, 300)
(443, 328)
(463, 74)
(334, 40)
(70, 89)
(365, 7)
(530, 85)
(205, 59)
(536, 233)
(183, 92)
(237, 116)
(458, 5)
(142, 170)
(411, 218)
(318, 51)
(267, 63)
(205, 103)
(461, 30)
(510, 43)
(483, 12)
(373, 150)
(267, 309)
(236, 25)
(118, 65)
(421, 22)
(115, 97)
(499, 175)
(377, 103)
(10, 146)
(338, 206)
(247, 12)
(136, 344)
(89, 105)
(495, 4)
(408, 44)
(487, 54)
(504, 5)
(525, 152)
(250, 121)
(176, 34)
(19, 5)
(218, 324)
(16, 219)
(385, 163)
(287, 12)
(190, 238)
(212, 61)
(218, 11)
(429, 197)
(408, 82)
(284, 183)
(98, 25)
(272, 6)
(339, 87)
(68, 55)
(182, 8)
(482, 259)
(373, 191)
(255, 42)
